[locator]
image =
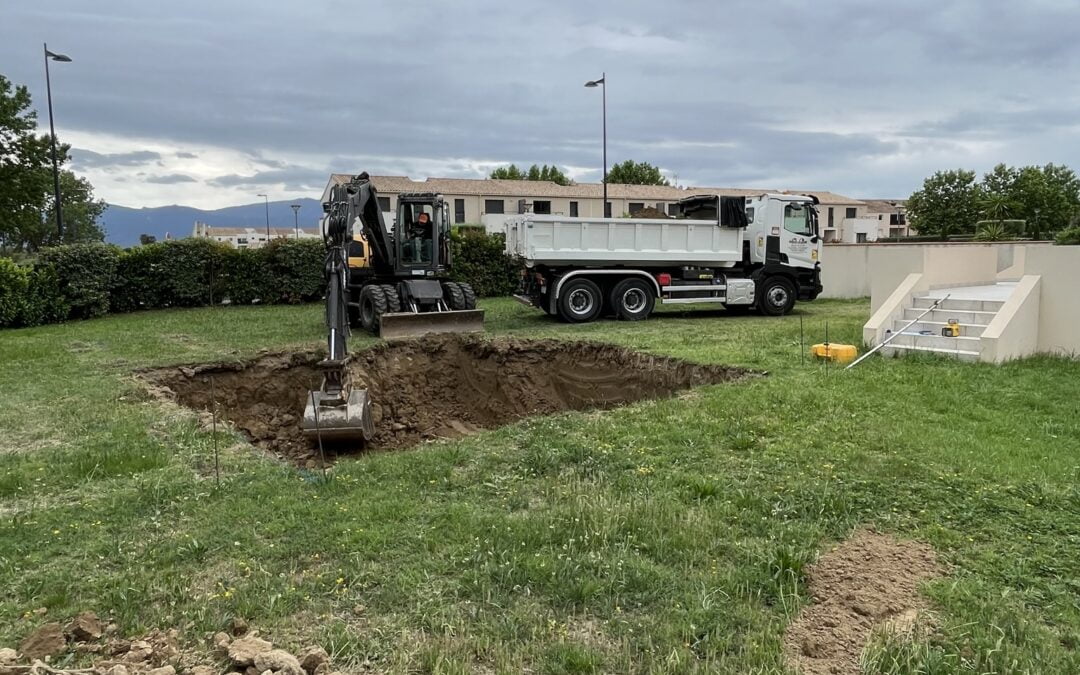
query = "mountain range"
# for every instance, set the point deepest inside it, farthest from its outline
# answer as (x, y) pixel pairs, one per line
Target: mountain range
(124, 224)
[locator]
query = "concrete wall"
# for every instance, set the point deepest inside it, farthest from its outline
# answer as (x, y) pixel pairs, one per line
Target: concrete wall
(1014, 332)
(1059, 299)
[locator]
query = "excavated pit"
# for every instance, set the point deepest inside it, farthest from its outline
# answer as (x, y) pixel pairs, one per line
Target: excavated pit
(438, 387)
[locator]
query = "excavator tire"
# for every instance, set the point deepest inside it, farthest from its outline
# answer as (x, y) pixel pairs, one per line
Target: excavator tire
(372, 306)
(470, 296)
(393, 300)
(455, 296)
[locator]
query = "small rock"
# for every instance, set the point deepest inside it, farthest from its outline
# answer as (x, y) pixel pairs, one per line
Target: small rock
(251, 670)
(221, 642)
(140, 651)
(358, 610)
(117, 670)
(323, 669)
(239, 626)
(85, 627)
(311, 658)
(111, 629)
(164, 670)
(242, 652)
(47, 640)
(279, 661)
(88, 648)
(204, 670)
(119, 646)
(41, 611)
(7, 656)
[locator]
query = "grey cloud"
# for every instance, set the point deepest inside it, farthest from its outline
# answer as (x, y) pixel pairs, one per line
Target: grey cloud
(187, 155)
(90, 159)
(293, 176)
(170, 179)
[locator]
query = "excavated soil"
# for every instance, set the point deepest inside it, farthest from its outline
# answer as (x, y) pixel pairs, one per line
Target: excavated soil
(867, 581)
(438, 387)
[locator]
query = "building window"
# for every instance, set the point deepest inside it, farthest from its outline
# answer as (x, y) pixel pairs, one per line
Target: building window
(673, 210)
(660, 206)
(832, 222)
(851, 212)
(573, 210)
(896, 219)
(860, 237)
(494, 206)
(242, 241)
(750, 214)
(459, 210)
(541, 207)
(635, 207)
(607, 209)
(384, 204)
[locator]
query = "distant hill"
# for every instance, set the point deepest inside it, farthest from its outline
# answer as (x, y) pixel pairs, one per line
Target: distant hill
(124, 224)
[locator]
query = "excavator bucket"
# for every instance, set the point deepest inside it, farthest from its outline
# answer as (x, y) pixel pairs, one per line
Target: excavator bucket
(400, 325)
(335, 419)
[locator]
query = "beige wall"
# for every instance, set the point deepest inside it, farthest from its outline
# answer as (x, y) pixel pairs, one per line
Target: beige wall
(1059, 300)
(1014, 331)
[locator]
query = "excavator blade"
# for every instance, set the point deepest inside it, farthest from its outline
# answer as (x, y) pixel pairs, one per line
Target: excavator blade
(401, 325)
(335, 420)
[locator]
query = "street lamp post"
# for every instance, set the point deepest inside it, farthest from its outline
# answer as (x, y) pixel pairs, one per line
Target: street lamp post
(267, 200)
(52, 133)
(296, 219)
(602, 83)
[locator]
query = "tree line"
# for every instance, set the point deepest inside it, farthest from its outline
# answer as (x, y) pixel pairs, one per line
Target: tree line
(27, 204)
(628, 172)
(1029, 201)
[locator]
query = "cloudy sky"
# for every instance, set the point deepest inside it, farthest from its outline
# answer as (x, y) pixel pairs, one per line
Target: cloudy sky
(208, 103)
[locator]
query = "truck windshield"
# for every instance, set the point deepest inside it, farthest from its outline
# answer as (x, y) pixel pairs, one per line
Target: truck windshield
(798, 219)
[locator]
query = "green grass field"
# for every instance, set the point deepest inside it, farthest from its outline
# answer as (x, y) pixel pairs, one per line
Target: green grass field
(668, 536)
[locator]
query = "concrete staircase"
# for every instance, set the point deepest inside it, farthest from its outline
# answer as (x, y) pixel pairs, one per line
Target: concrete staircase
(925, 336)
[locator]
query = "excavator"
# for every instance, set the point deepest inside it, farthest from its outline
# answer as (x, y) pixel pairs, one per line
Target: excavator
(391, 283)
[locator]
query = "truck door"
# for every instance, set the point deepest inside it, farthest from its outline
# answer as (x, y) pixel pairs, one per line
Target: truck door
(799, 240)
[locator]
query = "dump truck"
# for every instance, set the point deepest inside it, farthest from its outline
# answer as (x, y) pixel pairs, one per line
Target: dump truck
(393, 283)
(761, 252)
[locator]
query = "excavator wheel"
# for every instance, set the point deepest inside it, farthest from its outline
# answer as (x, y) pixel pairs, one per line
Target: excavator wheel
(455, 296)
(372, 307)
(470, 296)
(393, 300)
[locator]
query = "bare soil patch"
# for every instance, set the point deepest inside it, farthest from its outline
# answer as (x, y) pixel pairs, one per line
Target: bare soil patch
(438, 387)
(870, 579)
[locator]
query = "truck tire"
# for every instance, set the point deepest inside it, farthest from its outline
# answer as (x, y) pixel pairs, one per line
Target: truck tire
(470, 295)
(393, 298)
(632, 300)
(372, 307)
(455, 297)
(580, 301)
(777, 296)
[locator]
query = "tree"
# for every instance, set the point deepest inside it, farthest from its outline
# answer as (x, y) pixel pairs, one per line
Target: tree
(146, 239)
(636, 173)
(947, 204)
(512, 172)
(27, 217)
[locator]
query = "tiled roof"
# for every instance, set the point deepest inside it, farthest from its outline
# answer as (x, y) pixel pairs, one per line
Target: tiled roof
(527, 188)
(883, 205)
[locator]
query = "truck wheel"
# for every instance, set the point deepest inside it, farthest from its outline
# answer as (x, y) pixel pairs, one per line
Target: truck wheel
(393, 300)
(455, 297)
(632, 300)
(777, 296)
(372, 307)
(470, 295)
(580, 301)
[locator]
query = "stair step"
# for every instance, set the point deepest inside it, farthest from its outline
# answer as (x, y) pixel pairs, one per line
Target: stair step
(943, 315)
(909, 339)
(899, 350)
(966, 329)
(958, 304)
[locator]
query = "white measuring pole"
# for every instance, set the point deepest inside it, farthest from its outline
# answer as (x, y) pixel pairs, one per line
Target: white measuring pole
(899, 332)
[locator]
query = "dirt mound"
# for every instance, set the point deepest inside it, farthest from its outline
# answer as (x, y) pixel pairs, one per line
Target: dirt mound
(438, 387)
(868, 580)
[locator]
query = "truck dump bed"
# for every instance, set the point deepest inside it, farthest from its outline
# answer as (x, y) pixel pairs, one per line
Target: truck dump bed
(557, 241)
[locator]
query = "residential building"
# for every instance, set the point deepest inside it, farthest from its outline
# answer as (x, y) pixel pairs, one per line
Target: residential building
(892, 216)
(249, 237)
(489, 201)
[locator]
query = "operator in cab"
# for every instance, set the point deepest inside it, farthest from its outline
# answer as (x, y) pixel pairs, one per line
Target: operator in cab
(420, 238)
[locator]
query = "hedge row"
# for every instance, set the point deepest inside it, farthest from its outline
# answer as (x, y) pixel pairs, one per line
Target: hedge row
(82, 281)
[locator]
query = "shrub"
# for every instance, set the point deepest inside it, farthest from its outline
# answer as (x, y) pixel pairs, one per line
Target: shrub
(188, 265)
(140, 281)
(1069, 237)
(295, 267)
(246, 277)
(14, 281)
(85, 274)
(479, 259)
(44, 301)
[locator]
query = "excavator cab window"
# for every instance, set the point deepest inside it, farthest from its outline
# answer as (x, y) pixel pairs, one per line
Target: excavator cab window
(417, 234)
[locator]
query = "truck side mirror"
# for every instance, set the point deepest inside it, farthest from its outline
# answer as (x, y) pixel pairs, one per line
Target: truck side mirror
(814, 239)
